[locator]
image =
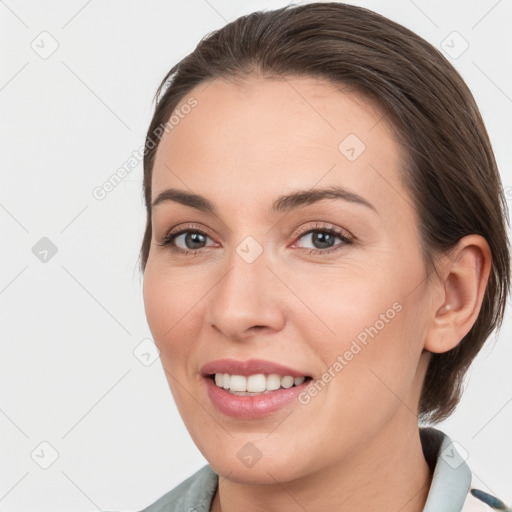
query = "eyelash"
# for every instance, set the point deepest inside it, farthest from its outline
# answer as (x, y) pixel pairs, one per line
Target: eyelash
(168, 239)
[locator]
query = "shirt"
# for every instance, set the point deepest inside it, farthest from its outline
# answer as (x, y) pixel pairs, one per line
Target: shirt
(450, 489)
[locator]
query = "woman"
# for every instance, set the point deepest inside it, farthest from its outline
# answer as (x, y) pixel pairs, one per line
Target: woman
(324, 256)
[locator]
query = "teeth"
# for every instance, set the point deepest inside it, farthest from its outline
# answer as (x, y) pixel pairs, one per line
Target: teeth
(287, 382)
(257, 383)
(273, 381)
(237, 383)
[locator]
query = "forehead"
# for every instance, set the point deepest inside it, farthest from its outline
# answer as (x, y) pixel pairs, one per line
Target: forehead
(262, 134)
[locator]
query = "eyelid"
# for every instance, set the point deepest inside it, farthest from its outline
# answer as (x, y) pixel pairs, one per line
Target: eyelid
(188, 226)
(327, 226)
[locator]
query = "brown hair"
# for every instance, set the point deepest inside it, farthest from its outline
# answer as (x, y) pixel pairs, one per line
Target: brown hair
(451, 172)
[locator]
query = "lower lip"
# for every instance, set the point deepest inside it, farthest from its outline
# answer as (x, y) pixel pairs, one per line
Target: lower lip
(251, 407)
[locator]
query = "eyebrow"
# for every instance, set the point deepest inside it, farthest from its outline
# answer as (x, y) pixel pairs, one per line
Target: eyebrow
(283, 203)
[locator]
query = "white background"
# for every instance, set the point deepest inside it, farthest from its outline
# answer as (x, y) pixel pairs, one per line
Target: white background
(69, 376)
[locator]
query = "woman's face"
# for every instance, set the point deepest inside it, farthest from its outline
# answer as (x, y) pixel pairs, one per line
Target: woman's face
(332, 287)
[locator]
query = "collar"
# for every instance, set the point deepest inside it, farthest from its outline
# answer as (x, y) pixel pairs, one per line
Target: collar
(451, 478)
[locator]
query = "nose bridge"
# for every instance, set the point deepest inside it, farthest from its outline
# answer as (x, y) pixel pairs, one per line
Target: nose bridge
(246, 296)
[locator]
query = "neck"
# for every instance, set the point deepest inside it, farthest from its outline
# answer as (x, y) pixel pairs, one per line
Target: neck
(390, 473)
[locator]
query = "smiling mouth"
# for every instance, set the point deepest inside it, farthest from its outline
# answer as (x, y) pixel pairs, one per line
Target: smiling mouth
(256, 384)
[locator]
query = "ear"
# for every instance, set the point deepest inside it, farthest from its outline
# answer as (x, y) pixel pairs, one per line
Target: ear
(464, 275)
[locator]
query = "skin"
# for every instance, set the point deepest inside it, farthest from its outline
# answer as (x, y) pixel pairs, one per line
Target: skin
(356, 445)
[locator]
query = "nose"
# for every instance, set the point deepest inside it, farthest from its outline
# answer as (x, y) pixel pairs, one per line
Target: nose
(247, 301)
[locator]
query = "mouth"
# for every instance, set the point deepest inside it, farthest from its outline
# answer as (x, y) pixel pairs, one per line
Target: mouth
(252, 388)
(256, 384)
(249, 397)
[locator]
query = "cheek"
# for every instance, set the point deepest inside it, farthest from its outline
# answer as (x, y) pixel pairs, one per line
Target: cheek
(352, 303)
(374, 335)
(169, 303)
(169, 306)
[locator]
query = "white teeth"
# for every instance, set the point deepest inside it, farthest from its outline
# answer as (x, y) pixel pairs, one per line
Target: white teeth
(257, 383)
(287, 381)
(238, 383)
(273, 381)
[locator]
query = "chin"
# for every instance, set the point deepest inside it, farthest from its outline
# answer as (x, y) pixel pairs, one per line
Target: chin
(262, 473)
(254, 462)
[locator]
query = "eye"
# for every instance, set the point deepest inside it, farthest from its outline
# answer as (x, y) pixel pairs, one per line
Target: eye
(192, 239)
(323, 237)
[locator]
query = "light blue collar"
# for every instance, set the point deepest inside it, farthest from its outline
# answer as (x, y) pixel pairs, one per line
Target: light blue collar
(452, 477)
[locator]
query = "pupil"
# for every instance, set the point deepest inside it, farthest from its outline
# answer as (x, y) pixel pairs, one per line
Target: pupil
(193, 239)
(322, 237)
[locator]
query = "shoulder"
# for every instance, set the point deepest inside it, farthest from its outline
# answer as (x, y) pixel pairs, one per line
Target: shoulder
(193, 494)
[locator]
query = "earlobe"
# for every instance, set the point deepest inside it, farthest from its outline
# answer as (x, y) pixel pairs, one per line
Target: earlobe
(466, 273)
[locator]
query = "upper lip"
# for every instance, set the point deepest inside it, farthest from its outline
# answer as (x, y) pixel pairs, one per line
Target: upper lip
(248, 367)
